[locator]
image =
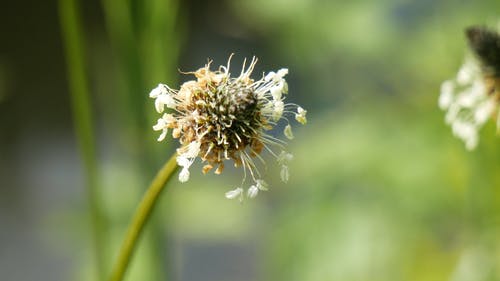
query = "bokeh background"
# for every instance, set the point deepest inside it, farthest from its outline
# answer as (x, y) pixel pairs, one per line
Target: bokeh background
(379, 188)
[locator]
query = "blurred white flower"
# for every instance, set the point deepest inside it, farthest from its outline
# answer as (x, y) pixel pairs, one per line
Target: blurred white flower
(469, 102)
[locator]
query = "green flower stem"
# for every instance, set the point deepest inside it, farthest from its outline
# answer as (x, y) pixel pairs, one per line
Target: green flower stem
(140, 218)
(73, 41)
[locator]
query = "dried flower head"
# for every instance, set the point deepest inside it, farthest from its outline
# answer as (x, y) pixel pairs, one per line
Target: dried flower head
(473, 96)
(218, 118)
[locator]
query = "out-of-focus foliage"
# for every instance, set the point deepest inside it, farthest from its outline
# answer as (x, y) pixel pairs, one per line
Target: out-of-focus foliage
(400, 202)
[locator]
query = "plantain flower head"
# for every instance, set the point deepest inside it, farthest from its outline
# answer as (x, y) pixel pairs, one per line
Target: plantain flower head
(221, 118)
(472, 97)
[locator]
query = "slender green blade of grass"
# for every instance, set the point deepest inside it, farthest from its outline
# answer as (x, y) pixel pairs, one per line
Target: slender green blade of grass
(73, 40)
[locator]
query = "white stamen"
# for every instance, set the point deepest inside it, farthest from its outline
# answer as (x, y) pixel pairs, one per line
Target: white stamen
(278, 110)
(288, 132)
(300, 116)
(183, 161)
(261, 185)
(252, 191)
(284, 174)
(234, 193)
(276, 92)
(160, 89)
(184, 175)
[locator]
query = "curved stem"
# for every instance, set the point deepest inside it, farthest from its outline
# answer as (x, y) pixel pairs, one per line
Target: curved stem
(140, 218)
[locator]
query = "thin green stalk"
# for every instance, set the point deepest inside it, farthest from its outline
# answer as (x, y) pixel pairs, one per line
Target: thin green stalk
(121, 29)
(73, 41)
(140, 218)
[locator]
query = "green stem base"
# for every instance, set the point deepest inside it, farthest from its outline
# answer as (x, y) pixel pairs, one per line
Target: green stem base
(140, 218)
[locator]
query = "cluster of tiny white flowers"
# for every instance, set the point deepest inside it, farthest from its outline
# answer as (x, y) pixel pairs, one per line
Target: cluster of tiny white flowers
(467, 102)
(218, 118)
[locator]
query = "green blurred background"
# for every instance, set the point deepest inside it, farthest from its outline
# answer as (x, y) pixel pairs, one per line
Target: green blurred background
(379, 187)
